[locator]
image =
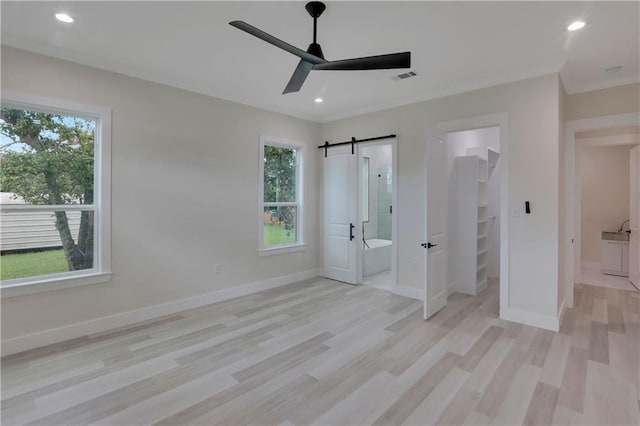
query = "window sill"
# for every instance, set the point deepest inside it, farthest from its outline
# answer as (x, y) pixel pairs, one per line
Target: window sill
(281, 250)
(51, 284)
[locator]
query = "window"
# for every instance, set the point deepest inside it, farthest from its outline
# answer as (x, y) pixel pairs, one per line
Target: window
(281, 215)
(54, 195)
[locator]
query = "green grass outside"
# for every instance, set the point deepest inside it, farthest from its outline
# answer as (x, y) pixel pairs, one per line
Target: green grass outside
(275, 235)
(32, 264)
(52, 261)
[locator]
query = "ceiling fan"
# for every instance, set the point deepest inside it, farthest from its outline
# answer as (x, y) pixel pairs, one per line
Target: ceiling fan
(313, 59)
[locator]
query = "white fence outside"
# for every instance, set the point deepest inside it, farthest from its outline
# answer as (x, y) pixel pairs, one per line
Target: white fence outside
(31, 230)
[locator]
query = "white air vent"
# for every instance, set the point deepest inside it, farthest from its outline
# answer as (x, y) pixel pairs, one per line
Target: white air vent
(404, 76)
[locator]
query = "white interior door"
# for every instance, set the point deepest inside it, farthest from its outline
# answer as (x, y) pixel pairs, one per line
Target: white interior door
(634, 217)
(435, 288)
(340, 214)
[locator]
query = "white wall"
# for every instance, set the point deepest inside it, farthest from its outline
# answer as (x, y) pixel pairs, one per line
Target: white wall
(532, 109)
(603, 102)
(457, 144)
(379, 157)
(184, 179)
(605, 194)
(565, 239)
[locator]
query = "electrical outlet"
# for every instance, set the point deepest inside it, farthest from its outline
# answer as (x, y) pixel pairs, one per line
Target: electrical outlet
(217, 268)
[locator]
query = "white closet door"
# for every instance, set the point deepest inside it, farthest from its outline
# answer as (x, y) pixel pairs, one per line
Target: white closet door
(435, 288)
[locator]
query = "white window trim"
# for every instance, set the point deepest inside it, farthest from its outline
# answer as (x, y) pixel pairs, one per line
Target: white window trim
(300, 192)
(101, 272)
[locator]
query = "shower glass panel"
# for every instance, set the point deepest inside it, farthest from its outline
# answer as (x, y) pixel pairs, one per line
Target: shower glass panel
(384, 203)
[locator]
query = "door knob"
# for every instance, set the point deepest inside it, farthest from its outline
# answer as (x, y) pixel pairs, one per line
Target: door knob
(428, 245)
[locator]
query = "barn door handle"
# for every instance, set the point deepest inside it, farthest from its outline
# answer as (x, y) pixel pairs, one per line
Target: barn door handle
(351, 236)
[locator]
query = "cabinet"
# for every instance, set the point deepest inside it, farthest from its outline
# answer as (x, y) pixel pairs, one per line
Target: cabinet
(615, 258)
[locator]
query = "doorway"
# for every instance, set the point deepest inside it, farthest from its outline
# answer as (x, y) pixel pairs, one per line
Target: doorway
(377, 176)
(473, 190)
(603, 198)
(360, 213)
(573, 236)
(483, 141)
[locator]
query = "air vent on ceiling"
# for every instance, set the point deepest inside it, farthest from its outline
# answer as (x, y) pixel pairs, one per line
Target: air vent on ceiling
(404, 76)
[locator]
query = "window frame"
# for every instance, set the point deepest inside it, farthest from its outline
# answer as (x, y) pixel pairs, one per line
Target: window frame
(101, 272)
(300, 244)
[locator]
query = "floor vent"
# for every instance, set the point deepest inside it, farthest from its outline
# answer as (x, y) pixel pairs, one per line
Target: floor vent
(404, 76)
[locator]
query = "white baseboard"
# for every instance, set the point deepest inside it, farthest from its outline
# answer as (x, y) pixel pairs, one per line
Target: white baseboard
(451, 288)
(529, 318)
(61, 334)
(413, 293)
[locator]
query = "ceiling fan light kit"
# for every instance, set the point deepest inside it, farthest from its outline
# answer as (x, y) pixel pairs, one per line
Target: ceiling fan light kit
(313, 58)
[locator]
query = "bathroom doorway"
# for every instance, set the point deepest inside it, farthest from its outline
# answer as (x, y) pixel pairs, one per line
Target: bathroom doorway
(377, 207)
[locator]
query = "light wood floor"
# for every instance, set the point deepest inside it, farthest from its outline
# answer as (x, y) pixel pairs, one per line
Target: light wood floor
(321, 352)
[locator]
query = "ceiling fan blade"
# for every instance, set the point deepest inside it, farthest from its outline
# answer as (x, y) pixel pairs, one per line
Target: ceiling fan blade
(299, 76)
(379, 62)
(276, 42)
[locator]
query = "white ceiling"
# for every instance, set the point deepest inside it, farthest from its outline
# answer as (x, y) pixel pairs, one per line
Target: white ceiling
(456, 46)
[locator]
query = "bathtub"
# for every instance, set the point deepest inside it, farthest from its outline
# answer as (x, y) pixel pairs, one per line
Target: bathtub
(377, 257)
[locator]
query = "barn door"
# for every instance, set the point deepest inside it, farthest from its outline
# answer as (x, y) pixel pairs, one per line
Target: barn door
(340, 214)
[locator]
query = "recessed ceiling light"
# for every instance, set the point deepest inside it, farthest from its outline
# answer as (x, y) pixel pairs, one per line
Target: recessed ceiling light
(319, 100)
(574, 26)
(616, 68)
(63, 17)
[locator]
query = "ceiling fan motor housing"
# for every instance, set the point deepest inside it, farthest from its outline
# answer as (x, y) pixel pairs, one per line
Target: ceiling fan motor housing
(315, 8)
(315, 49)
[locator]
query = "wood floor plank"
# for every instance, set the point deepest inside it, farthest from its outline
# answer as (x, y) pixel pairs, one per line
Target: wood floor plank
(599, 343)
(362, 406)
(614, 319)
(542, 406)
(484, 371)
(599, 312)
(473, 356)
(459, 408)
(539, 348)
(498, 388)
(407, 403)
(609, 400)
(554, 365)
(518, 397)
(574, 380)
(436, 402)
